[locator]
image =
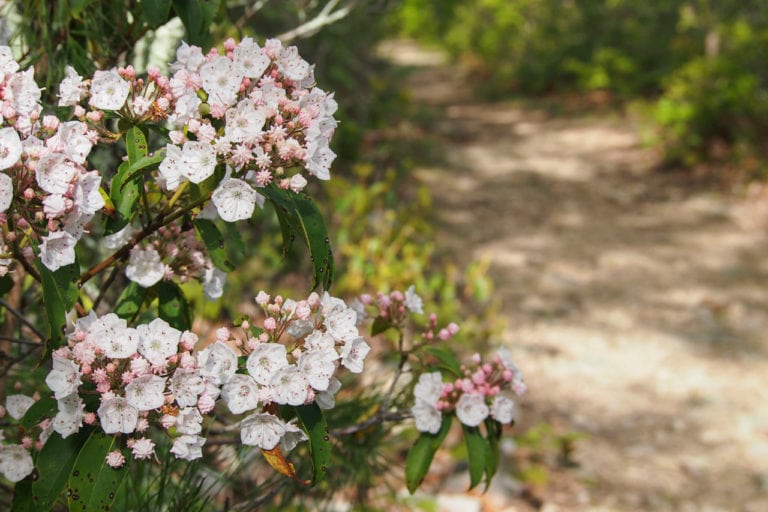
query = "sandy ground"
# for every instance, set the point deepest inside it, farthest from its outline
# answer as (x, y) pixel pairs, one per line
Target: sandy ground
(637, 300)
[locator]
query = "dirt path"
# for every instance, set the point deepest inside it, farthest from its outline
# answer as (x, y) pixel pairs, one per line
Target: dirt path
(637, 300)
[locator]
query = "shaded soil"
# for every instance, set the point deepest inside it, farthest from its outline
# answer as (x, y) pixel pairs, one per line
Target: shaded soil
(637, 301)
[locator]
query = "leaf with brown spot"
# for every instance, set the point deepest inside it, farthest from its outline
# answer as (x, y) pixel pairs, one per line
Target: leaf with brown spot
(278, 461)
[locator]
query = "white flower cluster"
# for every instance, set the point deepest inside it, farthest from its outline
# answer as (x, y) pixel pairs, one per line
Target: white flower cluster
(127, 380)
(43, 163)
(482, 392)
(274, 119)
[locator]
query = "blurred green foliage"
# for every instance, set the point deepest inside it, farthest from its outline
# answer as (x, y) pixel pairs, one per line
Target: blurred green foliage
(699, 63)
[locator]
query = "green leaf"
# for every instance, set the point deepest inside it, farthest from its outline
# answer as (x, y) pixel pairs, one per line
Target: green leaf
(380, 324)
(92, 484)
(214, 243)
(59, 296)
(22, 497)
(143, 165)
(124, 191)
(446, 360)
(299, 217)
(6, 283)
(313, 422)
(197, 16)
(54, 465)
(173, 306)
(129, 303)
(45, 407)
(493, 428)
(156, 12)
(422, 452)
(477, 452)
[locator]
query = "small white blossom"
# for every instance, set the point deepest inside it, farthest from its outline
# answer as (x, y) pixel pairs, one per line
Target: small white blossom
(69, 417)
(143, 448)
(289, 386)
(198, 161)
(429, 388)
(146, 392)
(241, 393)
(117, 415)
(342, 324)
(64, 378)
(250, 58)
(57, 250)
(188, 447)
(72, 88)
(293, 435)
(189, 421)
(158, 341)
(265, 360)
(427, 417)
(18, 405)
(219, 362)
(471, 409)
(15, 462)
(145, 267)
(213, 283)
(10, 147)
(353, 354)
(187, 385)
(318, 367)
(235, 200)
(413, 302)
(6, 192)
(108, 90)
(503, 409)
(262, 429)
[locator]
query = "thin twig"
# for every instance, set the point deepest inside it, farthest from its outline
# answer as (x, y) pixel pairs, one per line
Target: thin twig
(323, 18)
(376, 419)
(21, 317)
(20, 341)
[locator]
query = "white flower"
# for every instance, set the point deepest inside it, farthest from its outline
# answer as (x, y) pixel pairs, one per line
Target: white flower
(412, 301)
(71, 89)
(69, 418)
(241, 393)
(353, 354)
(300, 328)
(213, 283)
(342, 324)
(143, 448)
(146, 392)
(428, 418)
(188, 57)
(71, 139)
(117, 415)
(503, 409)
(189, 421)
(120, 343)
(54, 172)
(145, 267)
(471, 409)
(198, 161)
(188, 447)
(318, 367)
(64, 379)
(170, 167)
(265, 360)
(244, 122)
(326, 399)
(57, 250)
(290, 64)
(293, 435)
(158, 341)
(318, 158)
(187, 385)
(235, 200)
(319, 340)
(429, 388)
(221, 80)
(10, 147)
(119, 239)
(15, 462)
(108, 90)
(219, 362)
(6, 192)
(289, 386)
(262, 429)
(22, 92)
(87, 197)
(18, 405)
(8, 64)
(297, 183)
(250, 58)
(55, 205)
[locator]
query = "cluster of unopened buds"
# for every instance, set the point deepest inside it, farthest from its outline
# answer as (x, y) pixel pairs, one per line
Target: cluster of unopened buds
(126, 380)
(482, 392)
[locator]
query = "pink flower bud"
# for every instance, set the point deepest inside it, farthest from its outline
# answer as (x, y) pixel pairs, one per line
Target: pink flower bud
(167, 421)
(270, 324)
